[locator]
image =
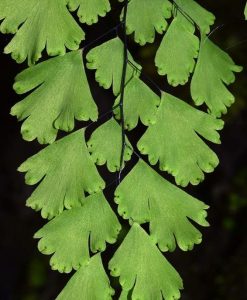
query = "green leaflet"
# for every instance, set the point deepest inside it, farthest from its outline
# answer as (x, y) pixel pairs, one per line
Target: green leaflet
(140, 102)
(213, 71)
(43, 24)
(144, 17)
(143, 268)
(107, 60)
(245, 11)
(89, 11)
(173, 141)
(70, 234)
(197, 14)
(88, 283)
(109, 151)
(61, 95)
(178, 49)
(13, 13)
(64, 170)
(168, 209)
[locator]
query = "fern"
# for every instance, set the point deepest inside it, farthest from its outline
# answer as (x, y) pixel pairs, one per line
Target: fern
(192, 156)
(65, 170)
(55, 101)
(70, 191)
(94, 224)
(178, 50)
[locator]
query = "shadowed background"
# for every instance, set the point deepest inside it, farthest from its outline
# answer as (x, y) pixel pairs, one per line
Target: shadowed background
(216, 269)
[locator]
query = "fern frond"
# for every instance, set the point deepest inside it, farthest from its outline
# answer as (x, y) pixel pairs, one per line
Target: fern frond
(151, 17)
(60, 94)
(173, 141)
(177, 52)
(196, 14)
(89, 282)
(89, 11)
(214, 70)
(138, 262)
(73, 233)
(64, 170)
(107, 60)
(167, 208)
(140, 103)
(70, 189)
(43, 24)
(109, 151)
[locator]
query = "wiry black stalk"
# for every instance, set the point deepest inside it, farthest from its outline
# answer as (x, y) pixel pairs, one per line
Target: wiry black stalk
(122, 89)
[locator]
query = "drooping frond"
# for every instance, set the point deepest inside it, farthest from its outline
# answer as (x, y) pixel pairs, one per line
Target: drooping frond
(177, 52)
(214, 70)
(143, 270)
(196, 14)
(90, 11)
(107, 60)
(38, 25)
(108, 152)
(89, 282)
(151, 18)
(71, 235)
(140, 103)
(174, 141)
(65, 171)
(144, 196)
(59, 94)
(70, 189)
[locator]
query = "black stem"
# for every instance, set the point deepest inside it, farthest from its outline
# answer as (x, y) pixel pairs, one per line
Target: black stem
(102, 36)
(122, 89)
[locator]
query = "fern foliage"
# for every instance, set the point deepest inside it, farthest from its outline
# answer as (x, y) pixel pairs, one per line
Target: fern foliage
(60, 94)
(166, 207)
(163, 280)
(152, 19)
(70, 234)
(178, 50)
(65, 171)
(176, 139)
(89, 11)
(193, 156)
(215, 66)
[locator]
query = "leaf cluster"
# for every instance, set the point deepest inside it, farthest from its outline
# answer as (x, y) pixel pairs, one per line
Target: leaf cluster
(69, 189)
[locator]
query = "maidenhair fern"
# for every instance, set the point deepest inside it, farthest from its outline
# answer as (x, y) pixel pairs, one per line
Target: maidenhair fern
(69, 191)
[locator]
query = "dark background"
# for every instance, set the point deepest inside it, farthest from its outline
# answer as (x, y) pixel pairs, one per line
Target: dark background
(216, 269)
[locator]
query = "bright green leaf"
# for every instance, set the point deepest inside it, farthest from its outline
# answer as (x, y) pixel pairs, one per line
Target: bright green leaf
(88, 283)
(89, 11)
(197, 14)
(140, 102)
(142, 267)
(177, 52)
(144, 196)
(64, 170)
(173, 141)
(245, 11)
(39, 25)
(109, 151)
(144, 17)
(70, 234)
(214, 70)
(61, 95)
(107, 59)
(13, 13)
